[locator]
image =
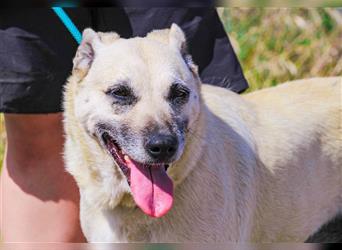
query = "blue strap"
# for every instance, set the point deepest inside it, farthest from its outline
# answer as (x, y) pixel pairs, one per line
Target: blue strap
(63, 16)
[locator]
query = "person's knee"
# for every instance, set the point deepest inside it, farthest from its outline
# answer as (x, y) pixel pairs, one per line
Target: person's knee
(33, 138)
(33, 159)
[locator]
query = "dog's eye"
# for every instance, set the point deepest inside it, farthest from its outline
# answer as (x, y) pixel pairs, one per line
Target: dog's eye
(121, 93)
(178, 94)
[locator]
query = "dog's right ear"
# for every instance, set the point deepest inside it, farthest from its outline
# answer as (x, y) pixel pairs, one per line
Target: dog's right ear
(86, 52)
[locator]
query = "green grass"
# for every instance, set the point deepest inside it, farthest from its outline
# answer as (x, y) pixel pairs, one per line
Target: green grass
(278, 45)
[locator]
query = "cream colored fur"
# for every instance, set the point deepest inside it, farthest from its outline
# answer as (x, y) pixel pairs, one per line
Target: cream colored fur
(261, 167)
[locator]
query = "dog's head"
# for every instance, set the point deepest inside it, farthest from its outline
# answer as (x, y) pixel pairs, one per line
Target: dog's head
(137, 99)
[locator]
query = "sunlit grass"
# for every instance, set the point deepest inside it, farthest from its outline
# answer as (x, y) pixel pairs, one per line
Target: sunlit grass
(278, 45)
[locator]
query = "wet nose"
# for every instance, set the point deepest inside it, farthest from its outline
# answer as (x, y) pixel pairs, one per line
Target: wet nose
(162, 147)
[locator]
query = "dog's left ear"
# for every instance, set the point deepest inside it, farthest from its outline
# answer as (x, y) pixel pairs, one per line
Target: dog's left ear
(177, 37)
(177, 40)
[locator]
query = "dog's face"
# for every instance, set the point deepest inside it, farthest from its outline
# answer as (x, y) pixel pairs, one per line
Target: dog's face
(137, 99)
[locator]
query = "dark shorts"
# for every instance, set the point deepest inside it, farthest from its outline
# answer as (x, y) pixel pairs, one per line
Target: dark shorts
(36, 50)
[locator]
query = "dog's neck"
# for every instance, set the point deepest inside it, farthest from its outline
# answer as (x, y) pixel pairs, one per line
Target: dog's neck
(194, 143)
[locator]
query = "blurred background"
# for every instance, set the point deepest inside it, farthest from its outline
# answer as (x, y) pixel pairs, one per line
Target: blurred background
(276, 45)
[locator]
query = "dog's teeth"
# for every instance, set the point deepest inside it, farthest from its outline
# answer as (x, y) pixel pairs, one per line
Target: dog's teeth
(126, 157)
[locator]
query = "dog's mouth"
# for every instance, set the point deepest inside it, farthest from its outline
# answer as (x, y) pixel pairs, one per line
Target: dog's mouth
(118, 155)
(151, 187)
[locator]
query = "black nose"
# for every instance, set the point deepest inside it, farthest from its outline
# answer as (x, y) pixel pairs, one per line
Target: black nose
(162, 147)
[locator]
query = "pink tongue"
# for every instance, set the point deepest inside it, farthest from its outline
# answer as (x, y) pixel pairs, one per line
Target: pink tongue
(151, 187)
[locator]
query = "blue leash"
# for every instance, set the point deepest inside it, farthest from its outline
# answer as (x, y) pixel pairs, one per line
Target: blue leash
(68, 23)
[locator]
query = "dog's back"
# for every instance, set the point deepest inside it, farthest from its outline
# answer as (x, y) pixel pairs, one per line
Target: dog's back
(299, 145)
(300, 113)
(296, 129)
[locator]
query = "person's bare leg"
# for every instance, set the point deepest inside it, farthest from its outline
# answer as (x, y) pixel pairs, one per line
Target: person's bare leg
(40, 200)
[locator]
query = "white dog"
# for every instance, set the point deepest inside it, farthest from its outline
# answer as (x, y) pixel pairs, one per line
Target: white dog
(160, 158)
